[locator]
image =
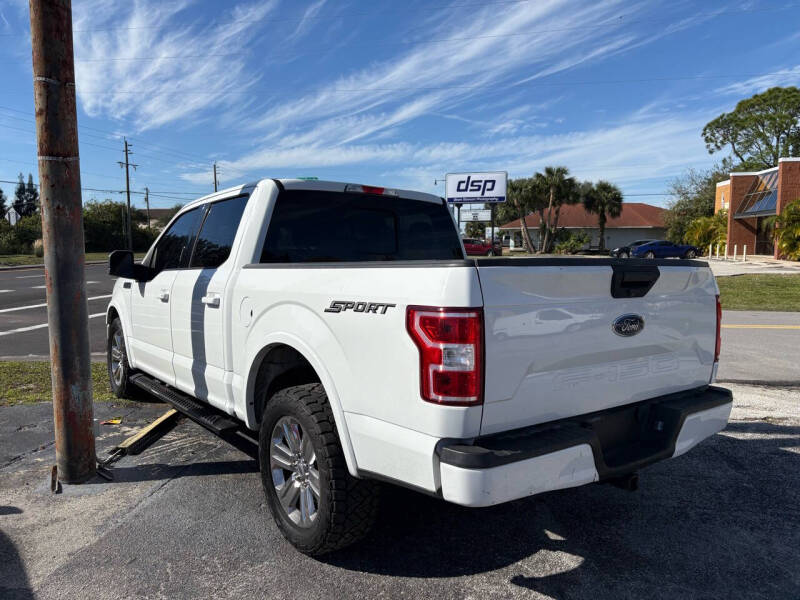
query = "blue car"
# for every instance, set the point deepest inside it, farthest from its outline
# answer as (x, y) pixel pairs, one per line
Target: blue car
(664, 249)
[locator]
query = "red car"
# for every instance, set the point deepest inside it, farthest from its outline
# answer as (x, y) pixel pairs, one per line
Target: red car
(475, 247)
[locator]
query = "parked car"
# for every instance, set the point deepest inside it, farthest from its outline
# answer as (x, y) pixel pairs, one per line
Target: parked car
(476, 247)
(664, 249)
(342, 328)
(625, 251)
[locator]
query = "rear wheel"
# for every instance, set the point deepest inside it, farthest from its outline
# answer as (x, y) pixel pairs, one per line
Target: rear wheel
(318, 506)
(649, 255)
(624, 255)
(691, 253)
(117, 358)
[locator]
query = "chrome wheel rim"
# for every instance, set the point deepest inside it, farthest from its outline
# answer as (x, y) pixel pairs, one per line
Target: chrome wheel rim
(295, 475)
(117, 369)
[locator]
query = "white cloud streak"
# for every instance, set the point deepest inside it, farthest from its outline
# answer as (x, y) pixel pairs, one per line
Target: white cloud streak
(150, 28)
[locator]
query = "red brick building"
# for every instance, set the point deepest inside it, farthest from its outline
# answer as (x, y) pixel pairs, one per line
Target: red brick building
(751, 197)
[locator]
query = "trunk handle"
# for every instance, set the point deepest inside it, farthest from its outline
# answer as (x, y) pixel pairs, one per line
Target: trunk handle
(633, 281)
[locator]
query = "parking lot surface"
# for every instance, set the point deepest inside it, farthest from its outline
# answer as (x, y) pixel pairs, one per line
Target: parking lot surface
(187, 519)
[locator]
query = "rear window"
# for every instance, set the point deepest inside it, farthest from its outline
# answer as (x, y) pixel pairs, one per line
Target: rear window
(312, 226)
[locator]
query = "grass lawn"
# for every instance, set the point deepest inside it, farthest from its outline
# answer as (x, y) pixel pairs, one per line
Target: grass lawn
(7, 260)
(760, 292)
(29, 382)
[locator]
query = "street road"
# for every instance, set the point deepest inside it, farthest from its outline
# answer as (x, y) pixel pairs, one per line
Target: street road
(23, 312)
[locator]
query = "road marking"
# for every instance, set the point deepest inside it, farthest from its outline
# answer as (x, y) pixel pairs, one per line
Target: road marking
(5, 291)
(761, 326)
(16, 308)
(38, 287)
(42, 326)
(29, 276)
(88, 282)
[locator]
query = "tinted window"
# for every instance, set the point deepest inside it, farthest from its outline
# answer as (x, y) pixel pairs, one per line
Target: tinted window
(216, 236)
(174, 247)
(310, 226)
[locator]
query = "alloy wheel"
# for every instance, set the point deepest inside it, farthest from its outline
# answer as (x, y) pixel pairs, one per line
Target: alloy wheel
(295, 475)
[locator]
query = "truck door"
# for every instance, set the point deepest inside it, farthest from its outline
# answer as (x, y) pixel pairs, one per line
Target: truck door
(200, 311)
(150, 337)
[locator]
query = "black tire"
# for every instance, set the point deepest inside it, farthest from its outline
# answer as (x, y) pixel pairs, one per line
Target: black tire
(691, 254)
(650, 255)
(490, 253)
(119, 383)
(346, 506)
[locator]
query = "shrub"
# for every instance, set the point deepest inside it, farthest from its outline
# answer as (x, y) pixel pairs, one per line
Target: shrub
(787, 231)
(703, 231)
(571, 243)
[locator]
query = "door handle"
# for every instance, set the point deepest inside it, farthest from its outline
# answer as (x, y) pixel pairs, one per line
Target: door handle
(163, 296)
(210, 300)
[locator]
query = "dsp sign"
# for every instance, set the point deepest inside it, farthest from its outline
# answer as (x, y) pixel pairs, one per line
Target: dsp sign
(476, 187)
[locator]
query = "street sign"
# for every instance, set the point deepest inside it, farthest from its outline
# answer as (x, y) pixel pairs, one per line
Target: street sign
(477, 187)
(483, 215)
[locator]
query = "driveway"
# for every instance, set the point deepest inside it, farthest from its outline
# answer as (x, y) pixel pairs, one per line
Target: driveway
(187, 519)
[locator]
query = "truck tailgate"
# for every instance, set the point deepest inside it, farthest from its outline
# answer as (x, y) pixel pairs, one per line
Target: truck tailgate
(551, 347)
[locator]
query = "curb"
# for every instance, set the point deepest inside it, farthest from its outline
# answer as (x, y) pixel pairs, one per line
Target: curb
(41, 266)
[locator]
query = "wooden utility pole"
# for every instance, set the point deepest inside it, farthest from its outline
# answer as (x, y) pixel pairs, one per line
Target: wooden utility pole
(62, 234)
(128, 164)
(147, 204)
(215, 176)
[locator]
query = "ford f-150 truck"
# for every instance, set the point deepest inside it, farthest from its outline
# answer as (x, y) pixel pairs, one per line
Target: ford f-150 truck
(344, 324)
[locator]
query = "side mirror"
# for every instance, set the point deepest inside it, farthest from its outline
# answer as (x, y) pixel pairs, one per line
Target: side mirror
(120, 263)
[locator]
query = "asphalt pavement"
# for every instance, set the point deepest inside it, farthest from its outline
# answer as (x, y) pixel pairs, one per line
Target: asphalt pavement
(187, 519)
(23, 312)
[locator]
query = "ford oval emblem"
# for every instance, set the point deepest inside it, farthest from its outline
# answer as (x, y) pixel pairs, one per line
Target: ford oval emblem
(628, 325)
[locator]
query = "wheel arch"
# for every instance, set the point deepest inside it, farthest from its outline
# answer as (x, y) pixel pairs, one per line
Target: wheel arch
(283, 362)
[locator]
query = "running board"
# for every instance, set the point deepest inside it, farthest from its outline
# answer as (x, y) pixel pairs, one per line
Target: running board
(209, 417)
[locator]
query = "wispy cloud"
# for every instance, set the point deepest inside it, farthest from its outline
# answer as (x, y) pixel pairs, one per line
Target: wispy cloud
(306, 22)
(788, 76)
(110, 84)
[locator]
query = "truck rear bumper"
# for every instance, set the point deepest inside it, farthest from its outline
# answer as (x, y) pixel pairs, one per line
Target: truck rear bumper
(579, 450)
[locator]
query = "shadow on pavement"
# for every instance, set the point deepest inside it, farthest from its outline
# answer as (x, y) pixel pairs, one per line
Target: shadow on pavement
(719, 522)
(14, 584)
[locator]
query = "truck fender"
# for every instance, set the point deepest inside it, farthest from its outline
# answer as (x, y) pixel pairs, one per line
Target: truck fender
(296, 343)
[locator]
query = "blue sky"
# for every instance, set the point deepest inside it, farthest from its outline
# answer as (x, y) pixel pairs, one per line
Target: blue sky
(397, 93)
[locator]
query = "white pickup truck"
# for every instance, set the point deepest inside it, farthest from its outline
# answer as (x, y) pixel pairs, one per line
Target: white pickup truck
(344, 324)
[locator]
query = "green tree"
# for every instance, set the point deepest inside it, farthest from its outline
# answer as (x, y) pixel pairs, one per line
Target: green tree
(693, 196)
(525, 196)
(104, 231)
(3, 208)
(475, 229)
(31, 196)
(705, 231)
(561, 189)
(787, 231)
(760, 130)
(603, 199)
(27, 230)
(20, 196)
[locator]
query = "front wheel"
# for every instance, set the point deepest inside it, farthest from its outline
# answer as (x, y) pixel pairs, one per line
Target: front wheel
(649, 255)
(624, 255)
(490, 253)
(691, 254)
(318, 506)
(117, 358)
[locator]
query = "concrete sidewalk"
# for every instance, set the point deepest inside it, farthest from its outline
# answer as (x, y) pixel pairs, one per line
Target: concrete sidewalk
(754, 264)
(187, 519)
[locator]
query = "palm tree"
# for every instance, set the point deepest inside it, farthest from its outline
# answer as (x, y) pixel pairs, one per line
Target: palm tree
(787, 231)
(554, 180)
(605, 200)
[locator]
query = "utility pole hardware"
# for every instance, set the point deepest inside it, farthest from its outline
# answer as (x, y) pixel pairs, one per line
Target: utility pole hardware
(215, 176)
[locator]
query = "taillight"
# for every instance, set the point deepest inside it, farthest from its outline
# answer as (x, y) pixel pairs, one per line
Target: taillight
(450, 342)
(719, 331)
